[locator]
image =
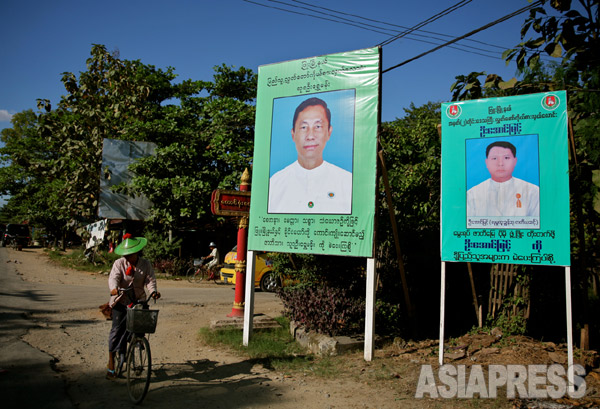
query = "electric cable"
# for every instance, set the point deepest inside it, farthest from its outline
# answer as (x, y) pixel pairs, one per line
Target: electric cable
(310, 15)
(396, 25)
(427, 21)
(377, 29)
(405, 33)
(485, 27)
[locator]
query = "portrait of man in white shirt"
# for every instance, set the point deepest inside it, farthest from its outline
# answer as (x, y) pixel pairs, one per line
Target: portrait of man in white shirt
(311, 184)
(503, 194)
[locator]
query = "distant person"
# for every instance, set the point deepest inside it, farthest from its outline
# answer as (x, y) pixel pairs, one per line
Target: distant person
(129, 271)
(310, 184)
(213, 258)
(502, 194)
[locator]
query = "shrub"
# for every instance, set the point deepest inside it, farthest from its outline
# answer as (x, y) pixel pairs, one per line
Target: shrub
(327, 310)
(171, 267)
(389, 319)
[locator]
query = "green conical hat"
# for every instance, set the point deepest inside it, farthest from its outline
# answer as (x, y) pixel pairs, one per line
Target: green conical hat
(130, 245)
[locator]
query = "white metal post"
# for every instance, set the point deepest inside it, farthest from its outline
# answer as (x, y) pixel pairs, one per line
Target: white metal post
(370, 311)
(249, 298)
(442, 312)
(570, 373)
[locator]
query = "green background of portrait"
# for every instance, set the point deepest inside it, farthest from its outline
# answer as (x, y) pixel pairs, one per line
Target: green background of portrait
(554, 180)
(349, 235)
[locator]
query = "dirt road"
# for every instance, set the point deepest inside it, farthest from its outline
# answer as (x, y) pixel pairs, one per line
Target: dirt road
(63, 321)
(185, 372)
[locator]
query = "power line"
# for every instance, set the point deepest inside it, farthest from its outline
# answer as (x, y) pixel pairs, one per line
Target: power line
(429, 20)
(310, 15)
(386, 31)
(377, 29)
(497, 57)
(493, 23)
(395, 25)
(401, 34)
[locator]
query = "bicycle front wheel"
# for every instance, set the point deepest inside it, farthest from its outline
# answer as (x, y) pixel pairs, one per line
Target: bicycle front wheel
(139, 365)
(192, 275)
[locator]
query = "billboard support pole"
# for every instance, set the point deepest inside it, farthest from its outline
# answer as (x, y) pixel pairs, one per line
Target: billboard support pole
(249, 308)
(370, 311)
(570, 374)
(442, 312)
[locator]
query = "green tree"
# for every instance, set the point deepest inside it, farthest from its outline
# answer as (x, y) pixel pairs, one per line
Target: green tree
(211, 150)
(113, 99)
(411, 149)
(32, 192)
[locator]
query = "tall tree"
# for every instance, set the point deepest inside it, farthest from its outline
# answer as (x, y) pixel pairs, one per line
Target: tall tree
(212, 150)
(113, 99)
(21, 175)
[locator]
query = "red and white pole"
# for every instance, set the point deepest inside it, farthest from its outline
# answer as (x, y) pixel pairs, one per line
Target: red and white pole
(240, 265)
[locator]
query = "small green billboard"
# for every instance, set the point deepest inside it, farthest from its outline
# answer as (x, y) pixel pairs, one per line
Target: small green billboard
(505, 180)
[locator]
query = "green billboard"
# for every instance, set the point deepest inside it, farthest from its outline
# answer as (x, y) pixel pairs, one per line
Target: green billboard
(505, 180)
(314, 169)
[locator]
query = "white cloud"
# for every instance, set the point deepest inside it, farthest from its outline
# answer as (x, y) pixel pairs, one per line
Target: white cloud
(4, 115)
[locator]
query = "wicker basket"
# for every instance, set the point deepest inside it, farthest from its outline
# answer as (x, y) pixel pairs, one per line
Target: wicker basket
(141, 321)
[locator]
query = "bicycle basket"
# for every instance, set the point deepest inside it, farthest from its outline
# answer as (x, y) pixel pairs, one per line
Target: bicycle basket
(141, 321)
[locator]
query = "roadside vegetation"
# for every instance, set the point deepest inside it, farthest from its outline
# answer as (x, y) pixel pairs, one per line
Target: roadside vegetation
(274, 347)
(77, 260)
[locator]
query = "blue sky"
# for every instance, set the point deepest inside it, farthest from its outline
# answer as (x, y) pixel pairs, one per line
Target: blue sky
(42, 39)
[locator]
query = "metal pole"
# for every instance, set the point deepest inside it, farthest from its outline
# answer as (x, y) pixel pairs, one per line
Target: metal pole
(249, 308)
(442, 312)
(370, 310)
(570, 369)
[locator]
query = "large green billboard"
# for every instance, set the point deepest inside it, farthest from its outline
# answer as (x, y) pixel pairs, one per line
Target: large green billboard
(505, 180)
(314, 170)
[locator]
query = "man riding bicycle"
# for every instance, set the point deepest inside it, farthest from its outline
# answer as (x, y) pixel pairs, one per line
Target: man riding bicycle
(213, 256)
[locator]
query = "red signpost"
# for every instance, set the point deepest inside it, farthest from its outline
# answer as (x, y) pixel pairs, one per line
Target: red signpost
(236, 203)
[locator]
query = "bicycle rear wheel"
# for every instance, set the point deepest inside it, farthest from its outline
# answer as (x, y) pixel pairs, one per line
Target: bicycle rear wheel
(139, 366)
(215, 275)
(192, 275)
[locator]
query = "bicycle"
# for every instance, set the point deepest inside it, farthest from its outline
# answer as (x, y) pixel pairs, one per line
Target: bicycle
(199, 272)
(141, 320)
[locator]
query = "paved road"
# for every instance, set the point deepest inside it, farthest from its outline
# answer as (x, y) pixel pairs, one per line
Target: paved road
(26, 376)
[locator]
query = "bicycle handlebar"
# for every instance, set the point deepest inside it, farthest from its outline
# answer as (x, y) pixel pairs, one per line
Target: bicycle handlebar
(127, 292)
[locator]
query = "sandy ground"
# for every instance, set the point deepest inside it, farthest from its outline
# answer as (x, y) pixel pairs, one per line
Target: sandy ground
(187, 373)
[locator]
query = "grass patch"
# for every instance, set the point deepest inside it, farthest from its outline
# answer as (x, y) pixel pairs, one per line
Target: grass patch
(265, 343)
(274, 348)
(76, 260)
(161, 276)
